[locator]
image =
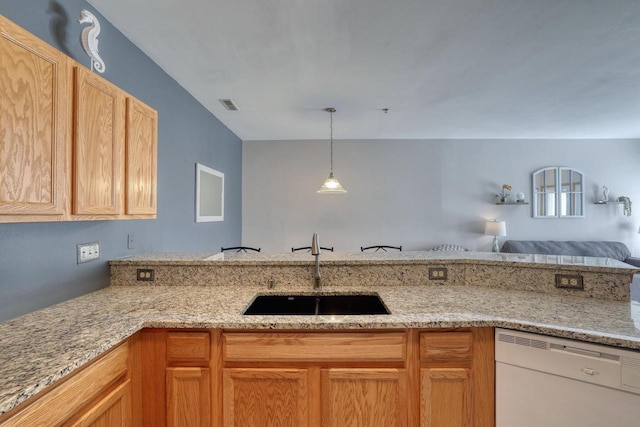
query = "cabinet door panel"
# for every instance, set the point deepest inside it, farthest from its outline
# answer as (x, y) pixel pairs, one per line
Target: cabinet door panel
(188, 397)
(112, 411)
(141, 158)
(265, 397)
(364, 397)
(33, 124)
(445, 397)
(98, 142)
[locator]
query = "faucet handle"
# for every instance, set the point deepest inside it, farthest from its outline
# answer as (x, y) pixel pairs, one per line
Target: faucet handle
(315, 245)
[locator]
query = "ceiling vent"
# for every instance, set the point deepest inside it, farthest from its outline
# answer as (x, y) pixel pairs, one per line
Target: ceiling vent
(229, 104)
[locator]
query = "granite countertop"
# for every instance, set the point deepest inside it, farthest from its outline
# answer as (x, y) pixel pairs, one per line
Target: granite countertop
(41, 347)
(379, 258)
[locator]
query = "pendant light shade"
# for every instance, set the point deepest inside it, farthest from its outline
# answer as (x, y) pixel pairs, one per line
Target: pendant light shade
(331, 185)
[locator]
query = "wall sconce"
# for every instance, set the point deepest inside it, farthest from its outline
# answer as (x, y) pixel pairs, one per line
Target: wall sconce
(495, 228)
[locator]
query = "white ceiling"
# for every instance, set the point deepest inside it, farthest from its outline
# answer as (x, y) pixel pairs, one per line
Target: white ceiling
(444, 68)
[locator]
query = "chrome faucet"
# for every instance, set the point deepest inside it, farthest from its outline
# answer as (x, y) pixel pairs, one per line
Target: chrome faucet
(315, 251)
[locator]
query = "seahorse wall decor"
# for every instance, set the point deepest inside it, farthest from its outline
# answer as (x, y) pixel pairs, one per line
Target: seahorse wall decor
(89, 40)
(626, 204)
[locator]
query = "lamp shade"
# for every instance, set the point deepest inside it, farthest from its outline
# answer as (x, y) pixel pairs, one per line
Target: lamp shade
(331, 186)
(495, 228)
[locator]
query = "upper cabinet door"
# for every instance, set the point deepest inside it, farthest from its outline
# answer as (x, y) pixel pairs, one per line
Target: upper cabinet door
(33, 124)
(97, 146)
(141, 158)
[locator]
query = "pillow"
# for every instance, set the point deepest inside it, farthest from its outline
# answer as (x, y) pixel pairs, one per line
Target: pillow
(449, 247)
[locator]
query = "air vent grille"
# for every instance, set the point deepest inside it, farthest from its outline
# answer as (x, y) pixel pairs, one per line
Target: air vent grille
(629, 361)
(506, 338)
(543, 345)
(229, 104)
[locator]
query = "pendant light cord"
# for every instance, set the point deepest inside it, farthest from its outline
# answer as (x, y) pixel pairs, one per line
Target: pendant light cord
(331, 115)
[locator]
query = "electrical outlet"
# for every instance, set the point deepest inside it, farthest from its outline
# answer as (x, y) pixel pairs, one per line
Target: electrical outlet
(145, 274)
(87, 252)
(130, 241)
(438, 273)
(569, 281)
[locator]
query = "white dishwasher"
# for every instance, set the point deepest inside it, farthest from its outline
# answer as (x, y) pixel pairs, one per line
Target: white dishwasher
(546, 382)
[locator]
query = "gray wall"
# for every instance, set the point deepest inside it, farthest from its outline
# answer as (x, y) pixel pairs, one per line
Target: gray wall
(38, 261)
(421, 193)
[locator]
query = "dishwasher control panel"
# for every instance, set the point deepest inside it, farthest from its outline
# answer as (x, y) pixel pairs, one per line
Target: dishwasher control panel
(593, 363)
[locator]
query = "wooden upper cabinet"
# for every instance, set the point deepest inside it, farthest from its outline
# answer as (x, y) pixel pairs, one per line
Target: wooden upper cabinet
(99, 109)
(72, 145)
(34, 80)
(141, 158)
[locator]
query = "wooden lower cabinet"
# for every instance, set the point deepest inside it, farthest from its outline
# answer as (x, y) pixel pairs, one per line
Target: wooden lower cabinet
(266, 397)
(303, 397)
(114, 410)
(434, 378)
(456, 378)
(204, 378)
(98, 395)
(179, 377)
(188, 397)
(445, 397)
(364, 397)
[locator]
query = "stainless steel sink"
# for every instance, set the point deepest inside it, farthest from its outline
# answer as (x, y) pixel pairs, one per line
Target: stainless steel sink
(311, 305)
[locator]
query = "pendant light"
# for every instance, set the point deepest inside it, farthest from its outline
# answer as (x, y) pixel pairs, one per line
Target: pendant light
(331, 185)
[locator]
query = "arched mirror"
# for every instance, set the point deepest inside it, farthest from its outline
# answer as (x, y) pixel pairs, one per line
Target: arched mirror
(558, 192)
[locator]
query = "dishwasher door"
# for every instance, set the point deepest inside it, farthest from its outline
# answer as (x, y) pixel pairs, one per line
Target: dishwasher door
(545, 381)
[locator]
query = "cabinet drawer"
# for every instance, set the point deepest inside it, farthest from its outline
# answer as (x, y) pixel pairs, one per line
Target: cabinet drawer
(314, 347)
(188, 346)
(446, 348)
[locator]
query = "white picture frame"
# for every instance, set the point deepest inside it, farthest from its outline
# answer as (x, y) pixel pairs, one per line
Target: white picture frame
(209, 194)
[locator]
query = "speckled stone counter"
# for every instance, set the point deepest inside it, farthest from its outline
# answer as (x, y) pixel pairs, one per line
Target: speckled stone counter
(41, 347)
(602, 277)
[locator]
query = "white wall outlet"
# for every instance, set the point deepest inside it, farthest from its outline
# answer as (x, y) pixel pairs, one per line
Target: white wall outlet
(88, 252)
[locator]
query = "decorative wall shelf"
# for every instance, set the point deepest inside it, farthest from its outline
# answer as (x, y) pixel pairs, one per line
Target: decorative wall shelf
(602, 202)
(512, 203)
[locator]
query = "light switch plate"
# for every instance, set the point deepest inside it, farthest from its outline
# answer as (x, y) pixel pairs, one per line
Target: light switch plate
(88, 252)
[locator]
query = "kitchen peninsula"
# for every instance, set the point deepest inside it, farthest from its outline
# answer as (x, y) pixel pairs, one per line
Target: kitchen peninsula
(205, 292)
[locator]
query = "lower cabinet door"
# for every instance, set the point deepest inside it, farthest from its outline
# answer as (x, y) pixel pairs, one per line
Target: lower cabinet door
(445, 397)
(265, 397)
(364, 397)
(188, 397)
(112, 411)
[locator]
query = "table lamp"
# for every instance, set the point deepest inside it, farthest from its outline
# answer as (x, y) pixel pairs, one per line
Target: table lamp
(495, 228)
